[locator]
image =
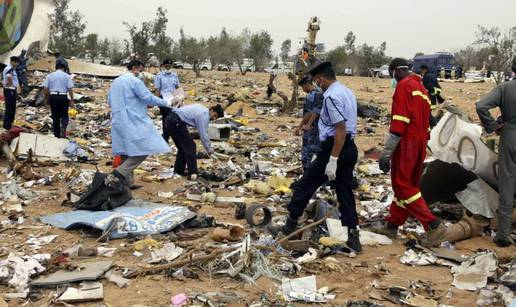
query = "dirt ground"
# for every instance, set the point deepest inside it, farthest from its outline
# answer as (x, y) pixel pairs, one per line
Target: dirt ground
(351, 281)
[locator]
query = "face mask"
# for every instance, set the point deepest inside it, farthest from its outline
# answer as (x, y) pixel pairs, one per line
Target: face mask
(318, 84)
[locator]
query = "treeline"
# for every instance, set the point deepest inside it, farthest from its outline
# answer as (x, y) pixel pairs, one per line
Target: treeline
(359, 58)
(492, 50)
(149, 38)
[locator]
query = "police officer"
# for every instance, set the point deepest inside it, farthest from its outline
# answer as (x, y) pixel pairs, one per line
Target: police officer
(11, 87)
(503, 97)
(433, 87)
(309, 125)
(337, 158)
(61, 60)
(166, 82)
(21, 71)
(176, 125)
(57, 86)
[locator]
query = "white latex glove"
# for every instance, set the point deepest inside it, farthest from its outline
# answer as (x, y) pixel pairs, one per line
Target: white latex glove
(170, 102)
(331, 168)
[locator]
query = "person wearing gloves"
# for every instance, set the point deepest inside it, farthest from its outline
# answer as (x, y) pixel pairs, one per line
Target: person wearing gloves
(336, 159)
(176, 125)
(133, 134)
(406, 148)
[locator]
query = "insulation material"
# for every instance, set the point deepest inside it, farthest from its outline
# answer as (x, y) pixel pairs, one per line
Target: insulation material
(41, 146)
(454, 140)
(476, 196)
(24, 24)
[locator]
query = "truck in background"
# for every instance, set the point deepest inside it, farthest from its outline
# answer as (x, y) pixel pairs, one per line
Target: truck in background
(436, 63)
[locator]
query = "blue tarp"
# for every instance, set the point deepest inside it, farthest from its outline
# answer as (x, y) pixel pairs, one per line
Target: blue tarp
(136, 218)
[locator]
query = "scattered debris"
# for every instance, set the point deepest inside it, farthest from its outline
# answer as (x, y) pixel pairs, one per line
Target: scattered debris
(87, 271)
(472, 274)
(304, 289)
(118, 279)
(88, 291)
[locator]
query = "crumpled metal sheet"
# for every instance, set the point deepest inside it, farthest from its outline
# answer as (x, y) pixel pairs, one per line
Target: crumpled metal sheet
(454, 140)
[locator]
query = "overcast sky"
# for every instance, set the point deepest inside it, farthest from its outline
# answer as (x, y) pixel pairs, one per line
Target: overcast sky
(408, 26)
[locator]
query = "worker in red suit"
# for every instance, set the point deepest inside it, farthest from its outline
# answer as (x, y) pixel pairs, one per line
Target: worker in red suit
(406, 148)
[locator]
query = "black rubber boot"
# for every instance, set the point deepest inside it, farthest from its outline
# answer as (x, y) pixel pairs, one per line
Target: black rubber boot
(289, 227)
(354, 240)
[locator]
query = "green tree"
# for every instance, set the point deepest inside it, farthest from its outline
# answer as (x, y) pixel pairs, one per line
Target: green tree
(260, 49)
(116, 52)
(140, 38)
(215, 50)
(285, 50)
(349, 43)
(192, 51)
(338, 58)
(500, 45)
(104, 47)
(162, 43)
(67, 29)
(368, 57)
(91, 46)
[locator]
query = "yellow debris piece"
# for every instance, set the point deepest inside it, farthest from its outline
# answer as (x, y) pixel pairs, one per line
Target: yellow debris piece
(146, 243)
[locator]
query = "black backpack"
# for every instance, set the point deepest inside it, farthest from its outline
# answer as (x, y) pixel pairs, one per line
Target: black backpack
(106, 192)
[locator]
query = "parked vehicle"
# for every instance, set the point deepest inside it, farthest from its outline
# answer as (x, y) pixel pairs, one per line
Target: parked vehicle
(436, 62)
(247, 66)
(384, 72)
(206, 65)
(280, 67)
(182, 65)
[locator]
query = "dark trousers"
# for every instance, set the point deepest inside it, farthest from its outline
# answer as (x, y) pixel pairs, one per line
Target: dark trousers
(164, 113)
(314, 177)
(59, 105)
(10, 108)
(186, 149)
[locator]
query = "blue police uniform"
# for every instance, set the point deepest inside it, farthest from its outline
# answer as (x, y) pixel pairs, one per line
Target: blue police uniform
(339, 105)
(311, 143)
(59, 84)
(166, 82)
(194, 115)
(9, 96)
(21, 71)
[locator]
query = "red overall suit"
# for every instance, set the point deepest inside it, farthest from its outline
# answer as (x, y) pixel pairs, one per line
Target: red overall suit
(410, 113)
